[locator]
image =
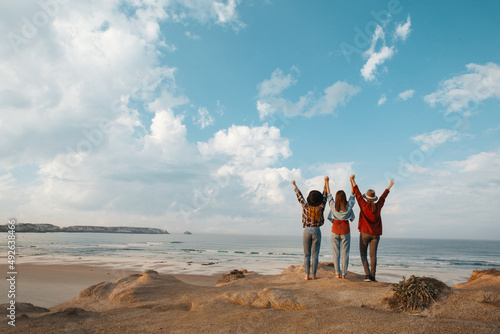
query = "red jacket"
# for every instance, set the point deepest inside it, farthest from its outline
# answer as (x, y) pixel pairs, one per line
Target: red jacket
(369, 222)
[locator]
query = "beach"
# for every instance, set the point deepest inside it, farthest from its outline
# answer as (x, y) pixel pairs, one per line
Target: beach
(85, 299)
(105, 283)
(48, 285)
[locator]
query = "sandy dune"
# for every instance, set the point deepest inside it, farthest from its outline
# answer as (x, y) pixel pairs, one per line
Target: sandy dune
(284, 303)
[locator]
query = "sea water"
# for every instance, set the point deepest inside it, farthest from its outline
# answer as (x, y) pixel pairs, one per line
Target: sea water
(451, 261)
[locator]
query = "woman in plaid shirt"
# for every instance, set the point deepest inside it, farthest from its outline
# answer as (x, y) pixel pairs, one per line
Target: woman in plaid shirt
(312, 219)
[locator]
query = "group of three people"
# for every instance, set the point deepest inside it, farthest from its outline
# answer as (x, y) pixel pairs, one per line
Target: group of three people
(370, 226)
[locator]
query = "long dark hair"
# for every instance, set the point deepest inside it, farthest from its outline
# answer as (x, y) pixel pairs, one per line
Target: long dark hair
(340, 201)
(315, 212)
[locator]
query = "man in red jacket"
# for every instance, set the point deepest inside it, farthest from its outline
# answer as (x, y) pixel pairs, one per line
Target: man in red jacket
(369, 226)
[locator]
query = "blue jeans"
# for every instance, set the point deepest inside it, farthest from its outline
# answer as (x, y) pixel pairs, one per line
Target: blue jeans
(341, 244)
(311, 239)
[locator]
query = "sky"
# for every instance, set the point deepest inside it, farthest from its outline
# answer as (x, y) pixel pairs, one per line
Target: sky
(196, 115)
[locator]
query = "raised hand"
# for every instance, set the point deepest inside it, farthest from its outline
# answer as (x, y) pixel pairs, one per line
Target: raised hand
(327, 179)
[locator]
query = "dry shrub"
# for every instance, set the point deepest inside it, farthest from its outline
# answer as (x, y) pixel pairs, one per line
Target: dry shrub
(415, 293)
(232, 276)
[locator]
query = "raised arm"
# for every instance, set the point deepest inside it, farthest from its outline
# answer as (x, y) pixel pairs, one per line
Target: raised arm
(301, 199)
(355, 190)
(327, 184)
(353, 183)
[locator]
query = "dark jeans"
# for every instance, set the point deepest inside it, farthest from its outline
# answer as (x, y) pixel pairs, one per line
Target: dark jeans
(364, 241)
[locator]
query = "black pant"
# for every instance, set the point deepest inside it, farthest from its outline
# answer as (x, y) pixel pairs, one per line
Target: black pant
(365, 240)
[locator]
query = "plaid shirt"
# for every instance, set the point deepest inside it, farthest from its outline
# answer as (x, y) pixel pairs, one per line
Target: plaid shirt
(306, 221)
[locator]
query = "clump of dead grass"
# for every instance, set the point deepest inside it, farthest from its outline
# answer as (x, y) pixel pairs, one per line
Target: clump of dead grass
(415, 293)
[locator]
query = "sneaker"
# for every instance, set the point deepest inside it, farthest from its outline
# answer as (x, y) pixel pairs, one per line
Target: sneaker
(372, 278)
(368, 278)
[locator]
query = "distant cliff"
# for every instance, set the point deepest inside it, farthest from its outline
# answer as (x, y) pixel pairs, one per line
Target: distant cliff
(42, 228)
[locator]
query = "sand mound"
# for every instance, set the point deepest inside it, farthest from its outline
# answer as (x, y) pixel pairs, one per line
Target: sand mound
(267, 298)
(133, 288)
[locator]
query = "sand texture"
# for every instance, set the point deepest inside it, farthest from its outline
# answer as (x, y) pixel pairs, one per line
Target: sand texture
(284, 303)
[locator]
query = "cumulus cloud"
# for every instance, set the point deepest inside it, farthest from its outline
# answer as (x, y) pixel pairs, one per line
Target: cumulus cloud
(248, 154)
(96, 136)
(248, 146)
(464, 92)
(403, 30)
(435, 138)
(406, 95)
(308, 105)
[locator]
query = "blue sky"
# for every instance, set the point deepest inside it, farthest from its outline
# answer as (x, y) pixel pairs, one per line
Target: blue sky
(196, 115)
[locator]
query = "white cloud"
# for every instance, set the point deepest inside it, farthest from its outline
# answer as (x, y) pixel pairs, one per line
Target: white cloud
(382, 100)
(307, 105)
(407, 94)
(484, 162)
(247, 146)
(415, 169)
(338, 173)
(93, 64)
(204, 118)
(337, 94)
(268, 185)
(192, 36)
(226, 12)
(464, 92)
(168, 135)
(435, 138)
(453, 195)
(277, 83)
(374, 58)
(379, 52)
(247, 154)
(403, 30)
(265, 109)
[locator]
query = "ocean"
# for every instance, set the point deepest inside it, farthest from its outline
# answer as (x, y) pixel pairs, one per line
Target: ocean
(451, 261)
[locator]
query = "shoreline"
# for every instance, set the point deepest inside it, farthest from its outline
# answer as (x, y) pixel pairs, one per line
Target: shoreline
(450, 276)
(45, 283)
(48, 285)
